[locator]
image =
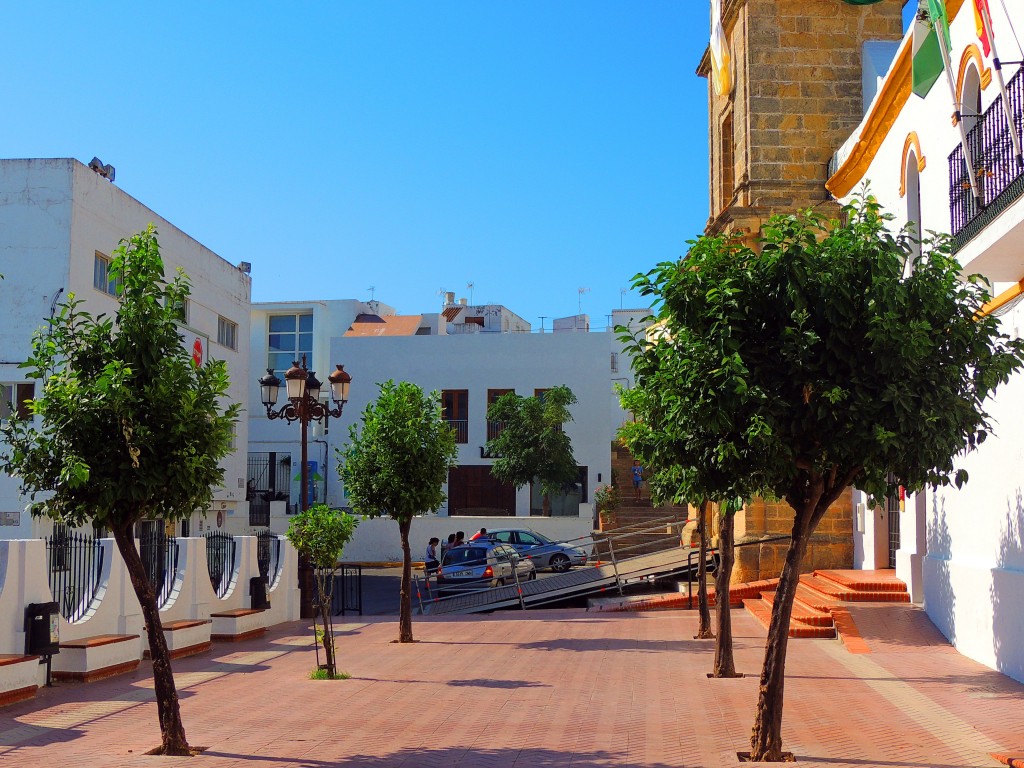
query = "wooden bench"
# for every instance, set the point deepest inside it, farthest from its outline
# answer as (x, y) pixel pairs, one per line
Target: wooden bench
(239, 624)
(19, 678)
(186, 637)
(97, 657)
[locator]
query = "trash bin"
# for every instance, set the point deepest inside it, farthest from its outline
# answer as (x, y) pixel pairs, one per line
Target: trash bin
(42, 629)
(258, 593)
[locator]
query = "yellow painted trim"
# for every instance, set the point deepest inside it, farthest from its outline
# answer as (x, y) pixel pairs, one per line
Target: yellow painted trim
(887, 107)
(912, 142)
(972, 53)
(1002, 299)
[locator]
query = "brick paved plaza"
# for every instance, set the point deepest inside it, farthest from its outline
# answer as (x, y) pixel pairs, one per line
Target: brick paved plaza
(540, 688)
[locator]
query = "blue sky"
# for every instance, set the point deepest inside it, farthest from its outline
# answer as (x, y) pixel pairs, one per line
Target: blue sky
(532, 148)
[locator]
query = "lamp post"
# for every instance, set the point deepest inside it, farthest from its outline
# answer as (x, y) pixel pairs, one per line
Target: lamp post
(304, 406)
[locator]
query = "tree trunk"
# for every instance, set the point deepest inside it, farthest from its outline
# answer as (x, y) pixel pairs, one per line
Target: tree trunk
(725, 666)
(405, 602)
(766, 739)
(545, 505)
(326, 590)
(704, 629)
(168, 710)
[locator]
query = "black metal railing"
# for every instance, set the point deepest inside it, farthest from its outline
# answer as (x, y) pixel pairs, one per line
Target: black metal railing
(160, 559)
(76, 565)
(494, 428)
(268, 555)
(993, 160)
(461, 429)
(220, 560)
(347, 593)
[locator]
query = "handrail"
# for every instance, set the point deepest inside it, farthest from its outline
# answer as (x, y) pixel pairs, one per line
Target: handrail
(714, 550)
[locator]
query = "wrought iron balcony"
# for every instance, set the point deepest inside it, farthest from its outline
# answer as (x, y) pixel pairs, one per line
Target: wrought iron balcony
(461, 429)
(1000, 180)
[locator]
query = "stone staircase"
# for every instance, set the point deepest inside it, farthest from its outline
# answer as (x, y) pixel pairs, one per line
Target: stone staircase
(821, 593)
(633, 515)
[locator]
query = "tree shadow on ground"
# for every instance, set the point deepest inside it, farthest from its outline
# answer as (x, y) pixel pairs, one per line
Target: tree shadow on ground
(619, 644)
(453, 756)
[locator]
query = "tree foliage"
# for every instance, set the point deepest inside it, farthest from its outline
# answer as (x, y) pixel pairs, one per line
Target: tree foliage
(126, 427)
(396, 464)
(320, 534)
(532, 445)
(835, 356)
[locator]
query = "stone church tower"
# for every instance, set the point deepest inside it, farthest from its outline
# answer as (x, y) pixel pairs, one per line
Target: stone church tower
(796, 95)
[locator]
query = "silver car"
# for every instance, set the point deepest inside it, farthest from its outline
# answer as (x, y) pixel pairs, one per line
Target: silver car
(481, 564)
(542, 551)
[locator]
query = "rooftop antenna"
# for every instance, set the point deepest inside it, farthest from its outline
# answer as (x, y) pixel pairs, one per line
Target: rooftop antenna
(581, 292)
(542, 323)
(372, 289)
(622, 295)
(470, 286)
(441, 292)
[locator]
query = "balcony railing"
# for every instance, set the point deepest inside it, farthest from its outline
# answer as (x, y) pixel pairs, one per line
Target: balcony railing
(494, 429)
(1000, 180)
(461, 429)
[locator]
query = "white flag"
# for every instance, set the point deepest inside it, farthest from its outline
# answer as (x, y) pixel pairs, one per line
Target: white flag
(721, 59)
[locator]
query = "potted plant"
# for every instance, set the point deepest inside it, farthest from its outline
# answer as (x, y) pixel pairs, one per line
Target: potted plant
(606, 501)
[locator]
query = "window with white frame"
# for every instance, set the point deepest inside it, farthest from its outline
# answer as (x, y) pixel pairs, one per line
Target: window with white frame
(101, 279)
(227, 333)
(13, 400)
(290, 337)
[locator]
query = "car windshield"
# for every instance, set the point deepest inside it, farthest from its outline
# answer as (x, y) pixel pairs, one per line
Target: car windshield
(542, 539)
(465, 555)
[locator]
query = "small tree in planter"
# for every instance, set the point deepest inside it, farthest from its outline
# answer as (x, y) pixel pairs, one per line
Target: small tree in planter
(606, 501)
(320, 534)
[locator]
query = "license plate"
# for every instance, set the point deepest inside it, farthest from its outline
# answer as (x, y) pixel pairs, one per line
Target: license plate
(459, 575)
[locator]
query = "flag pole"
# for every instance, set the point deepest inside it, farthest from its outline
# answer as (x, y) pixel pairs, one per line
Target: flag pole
(997, 65)
(940, 34)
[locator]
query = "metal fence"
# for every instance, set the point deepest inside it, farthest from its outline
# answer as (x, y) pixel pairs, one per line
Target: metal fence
(268, 479)
(220, 560)
(268, 555)
(76, 564)
(160, 559)
(992, 157)
(347, 593)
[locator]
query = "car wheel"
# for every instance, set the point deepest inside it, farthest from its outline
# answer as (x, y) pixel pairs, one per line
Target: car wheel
(560, 563)
(532, 576)
(499, 583)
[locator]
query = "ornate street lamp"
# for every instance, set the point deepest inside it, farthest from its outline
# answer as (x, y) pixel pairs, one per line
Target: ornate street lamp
(302, 388)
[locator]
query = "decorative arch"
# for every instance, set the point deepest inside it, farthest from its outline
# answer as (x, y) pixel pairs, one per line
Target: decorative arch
(972, 54)
(912, 143)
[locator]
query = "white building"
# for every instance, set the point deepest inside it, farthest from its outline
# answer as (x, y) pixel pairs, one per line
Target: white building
(471, 355)
(59, 223)
(961, 552)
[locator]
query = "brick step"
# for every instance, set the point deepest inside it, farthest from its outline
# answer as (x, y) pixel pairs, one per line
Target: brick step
(802, 612)
(831, 589)
(885, 581)
(762, 611)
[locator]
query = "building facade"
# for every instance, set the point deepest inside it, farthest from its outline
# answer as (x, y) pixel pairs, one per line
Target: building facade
(471, 355)
(961, 551)
(798, 87)
(59, 223)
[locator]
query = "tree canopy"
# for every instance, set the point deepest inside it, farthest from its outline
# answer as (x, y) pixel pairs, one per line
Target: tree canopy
(396, 464)
(834, 356)
(126, 428)
(532, 444)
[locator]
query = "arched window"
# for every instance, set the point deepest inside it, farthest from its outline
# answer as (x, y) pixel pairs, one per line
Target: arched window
(912, 189)
(970, 98)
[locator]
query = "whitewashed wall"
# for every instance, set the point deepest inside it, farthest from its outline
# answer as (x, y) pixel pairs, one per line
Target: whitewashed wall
(54, 216)
(962, 551)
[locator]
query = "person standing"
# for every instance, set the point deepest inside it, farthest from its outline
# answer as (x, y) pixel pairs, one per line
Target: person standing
(638, 479)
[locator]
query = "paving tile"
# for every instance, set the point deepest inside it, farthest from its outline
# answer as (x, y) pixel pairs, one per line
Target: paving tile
(539, 689)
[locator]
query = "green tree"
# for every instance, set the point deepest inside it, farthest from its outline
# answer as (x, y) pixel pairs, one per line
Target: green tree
(845, 360)
(127, 428)
(532, 444)
(320, 534)
(396, 465)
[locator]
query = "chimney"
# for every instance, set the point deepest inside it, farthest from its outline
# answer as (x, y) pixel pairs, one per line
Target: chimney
(449, 297)
(462, 302)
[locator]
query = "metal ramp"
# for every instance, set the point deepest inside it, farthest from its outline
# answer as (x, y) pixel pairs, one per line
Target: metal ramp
(613, 568)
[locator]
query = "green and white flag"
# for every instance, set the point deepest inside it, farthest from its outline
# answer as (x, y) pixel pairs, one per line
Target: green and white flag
(927, 64)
